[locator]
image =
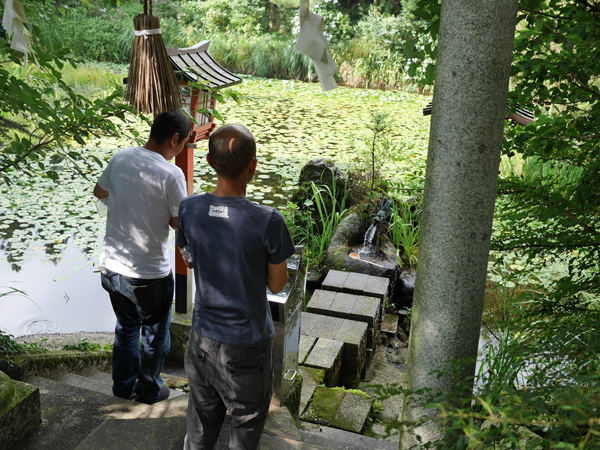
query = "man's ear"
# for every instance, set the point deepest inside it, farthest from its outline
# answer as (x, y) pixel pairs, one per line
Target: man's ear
(208, 159)
(252, 166)
(175, 139)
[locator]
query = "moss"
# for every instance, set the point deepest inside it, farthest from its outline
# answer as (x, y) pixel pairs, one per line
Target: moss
(326, 402)
(317, 375)
(64, 360)
(363, 394)
(292, 402)
(174, 382)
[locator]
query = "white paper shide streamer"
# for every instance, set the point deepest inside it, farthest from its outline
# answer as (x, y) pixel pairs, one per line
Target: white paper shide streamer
(13, 21)
(312, 43)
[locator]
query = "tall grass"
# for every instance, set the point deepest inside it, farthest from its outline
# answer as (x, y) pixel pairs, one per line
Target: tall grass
(318, 221)
(262, 55)
(405, 231)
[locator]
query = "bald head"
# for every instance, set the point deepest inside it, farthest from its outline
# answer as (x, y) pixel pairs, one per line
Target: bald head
(231, 149)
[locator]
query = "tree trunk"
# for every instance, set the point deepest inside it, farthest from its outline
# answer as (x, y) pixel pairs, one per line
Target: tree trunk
(469, 105)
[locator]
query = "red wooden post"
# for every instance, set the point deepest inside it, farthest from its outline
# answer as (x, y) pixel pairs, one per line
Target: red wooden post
(185, 161)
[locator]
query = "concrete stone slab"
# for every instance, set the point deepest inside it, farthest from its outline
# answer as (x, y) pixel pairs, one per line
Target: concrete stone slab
(73, 379)
(353, 412)
(311, 378)
(324, 405)
(352, 332)
(151, 427)
(355, 283)
(320, 300)
(389, 324)
(307, 322)
(377, 287)
(20, 411)
(327, 356)
(326, 327)
(335, 439)
(334, 281)
(305, 346)
(367, 309)
(69, 414)
(343, 304)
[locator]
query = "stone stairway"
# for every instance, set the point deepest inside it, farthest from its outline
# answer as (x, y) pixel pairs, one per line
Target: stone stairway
(79, 412)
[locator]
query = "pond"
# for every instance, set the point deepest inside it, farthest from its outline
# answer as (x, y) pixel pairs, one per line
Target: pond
(51, 234)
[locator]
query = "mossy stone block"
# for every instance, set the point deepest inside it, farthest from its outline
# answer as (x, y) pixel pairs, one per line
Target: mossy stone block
(21, 414)
(327, 356)
(7, 392)
(305, 346)
(324, 405)
(180, 327)
(311, 378)
(353, 412)
(52, 363)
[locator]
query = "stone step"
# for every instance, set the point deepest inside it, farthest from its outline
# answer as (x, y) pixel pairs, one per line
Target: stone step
(101, 382)
(352, 333)
(149, 427)
(311, 378)
(357, 283)
(334, 439)
(69, 414)
(338, 408)
(326, 355)
(72, 379)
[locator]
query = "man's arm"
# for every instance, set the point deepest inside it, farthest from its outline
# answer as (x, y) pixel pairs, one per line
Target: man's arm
(174, 222)
(277, 276)
(99, 192)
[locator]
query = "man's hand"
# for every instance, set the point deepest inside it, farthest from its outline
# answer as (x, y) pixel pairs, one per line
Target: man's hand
(99, 192)
(277, 276)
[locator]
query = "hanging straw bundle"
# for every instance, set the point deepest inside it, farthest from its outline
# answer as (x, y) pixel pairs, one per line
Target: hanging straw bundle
(152, 85)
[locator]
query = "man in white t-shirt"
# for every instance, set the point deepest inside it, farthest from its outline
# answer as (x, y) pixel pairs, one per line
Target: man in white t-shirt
(144, 191)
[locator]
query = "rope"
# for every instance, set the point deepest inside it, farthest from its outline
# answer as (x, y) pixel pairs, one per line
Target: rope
(148, 7)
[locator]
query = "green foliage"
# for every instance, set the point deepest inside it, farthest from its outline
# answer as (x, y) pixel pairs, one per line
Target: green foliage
(86, 346)
(405, 230)
(9, 348)
(313, 225)
(241, 16)
(264, 56)
(380, 125)
(46, 118)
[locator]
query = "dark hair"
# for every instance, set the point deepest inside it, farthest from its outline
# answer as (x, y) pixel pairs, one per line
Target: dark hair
(231, 149)
(168, 123)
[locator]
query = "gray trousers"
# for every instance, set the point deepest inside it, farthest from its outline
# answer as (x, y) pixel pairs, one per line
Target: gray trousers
(225, 378)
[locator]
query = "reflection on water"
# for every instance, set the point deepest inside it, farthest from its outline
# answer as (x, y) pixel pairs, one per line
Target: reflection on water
(63, 296)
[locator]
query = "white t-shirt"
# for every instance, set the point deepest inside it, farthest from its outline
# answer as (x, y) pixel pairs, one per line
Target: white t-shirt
(145, 191)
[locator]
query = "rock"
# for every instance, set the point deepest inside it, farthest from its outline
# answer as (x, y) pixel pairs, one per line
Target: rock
(348, 235)
(321, 171)
(403, 294)
(350, 231)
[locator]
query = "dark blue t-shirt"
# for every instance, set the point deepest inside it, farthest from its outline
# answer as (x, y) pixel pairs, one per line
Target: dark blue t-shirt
(231, 240)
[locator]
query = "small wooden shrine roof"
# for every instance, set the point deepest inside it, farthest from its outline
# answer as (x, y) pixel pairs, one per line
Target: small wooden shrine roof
(195, 64)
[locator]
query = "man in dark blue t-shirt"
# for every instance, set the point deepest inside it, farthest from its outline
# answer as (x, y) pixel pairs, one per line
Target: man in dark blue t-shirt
(236, 248)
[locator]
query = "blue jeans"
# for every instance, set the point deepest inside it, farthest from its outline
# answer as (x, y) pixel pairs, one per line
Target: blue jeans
(146, 305)
(225, 378)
